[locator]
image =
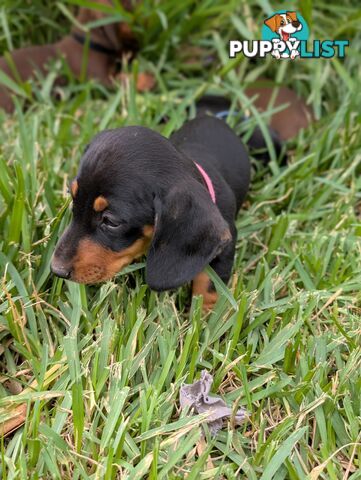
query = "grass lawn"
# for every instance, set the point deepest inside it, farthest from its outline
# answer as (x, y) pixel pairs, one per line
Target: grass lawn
(95, 371)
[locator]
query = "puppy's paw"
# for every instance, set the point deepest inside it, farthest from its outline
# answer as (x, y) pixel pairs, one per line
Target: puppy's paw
(202, 286)
(145, 81)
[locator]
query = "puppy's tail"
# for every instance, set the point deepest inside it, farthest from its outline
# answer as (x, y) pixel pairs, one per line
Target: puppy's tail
(256, 143)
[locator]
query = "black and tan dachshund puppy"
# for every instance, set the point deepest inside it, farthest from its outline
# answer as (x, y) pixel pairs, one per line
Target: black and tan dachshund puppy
(175, 200)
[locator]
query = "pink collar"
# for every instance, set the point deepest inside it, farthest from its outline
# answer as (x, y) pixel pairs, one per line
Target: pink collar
(208, 181)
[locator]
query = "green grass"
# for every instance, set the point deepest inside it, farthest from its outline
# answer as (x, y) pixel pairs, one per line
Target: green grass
(98, 369)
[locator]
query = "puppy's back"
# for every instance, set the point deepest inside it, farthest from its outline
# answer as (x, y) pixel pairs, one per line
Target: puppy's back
(223, 150)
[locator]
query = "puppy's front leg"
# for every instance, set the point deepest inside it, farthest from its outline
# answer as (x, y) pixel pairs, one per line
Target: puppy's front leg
(222, 265)
(202, 285)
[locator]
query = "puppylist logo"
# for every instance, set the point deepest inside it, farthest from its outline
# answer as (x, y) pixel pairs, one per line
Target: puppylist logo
(285, 35)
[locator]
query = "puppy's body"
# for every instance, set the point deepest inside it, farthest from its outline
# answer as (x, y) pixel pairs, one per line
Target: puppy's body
(36, 59)
(30, 59)
(212, 144)
(294, 116)
(137, 191)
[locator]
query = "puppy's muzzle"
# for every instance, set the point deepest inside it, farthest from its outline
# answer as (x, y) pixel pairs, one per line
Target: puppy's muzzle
(60, 269)
(296, 23)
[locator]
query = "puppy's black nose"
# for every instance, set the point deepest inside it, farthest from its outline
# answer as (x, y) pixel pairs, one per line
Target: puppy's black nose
(296, 23)
(60, 270)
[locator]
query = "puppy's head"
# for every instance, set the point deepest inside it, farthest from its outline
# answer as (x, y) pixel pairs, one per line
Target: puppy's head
(134, 194)
(284, 24)
(116, 35)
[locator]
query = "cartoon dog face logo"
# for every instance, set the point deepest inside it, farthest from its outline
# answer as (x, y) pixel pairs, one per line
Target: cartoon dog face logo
(284, 24)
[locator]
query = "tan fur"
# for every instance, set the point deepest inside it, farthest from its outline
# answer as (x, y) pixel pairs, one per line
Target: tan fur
(295, 114)
(74, 187)
(94, 263)
(145, 82)
(148, 231)
(201, 286)
(100, 204)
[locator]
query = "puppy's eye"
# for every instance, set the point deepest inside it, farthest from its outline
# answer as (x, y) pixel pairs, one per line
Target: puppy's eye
(282, 23)
(110, 223)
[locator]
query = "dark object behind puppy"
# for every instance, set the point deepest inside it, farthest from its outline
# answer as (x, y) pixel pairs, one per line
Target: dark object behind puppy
(220, 107)
(283, 125)
(138, 192)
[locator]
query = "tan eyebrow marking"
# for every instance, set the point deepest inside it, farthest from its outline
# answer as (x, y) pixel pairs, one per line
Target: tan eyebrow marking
(148, 231)
(100, 204)
(74, 187)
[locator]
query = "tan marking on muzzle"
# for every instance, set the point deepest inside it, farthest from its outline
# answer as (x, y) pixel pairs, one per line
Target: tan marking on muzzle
(201, 285)
(94, 263)
(100, 204)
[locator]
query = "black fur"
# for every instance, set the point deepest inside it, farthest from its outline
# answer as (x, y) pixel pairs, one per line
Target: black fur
(214, 104)
(150, 180)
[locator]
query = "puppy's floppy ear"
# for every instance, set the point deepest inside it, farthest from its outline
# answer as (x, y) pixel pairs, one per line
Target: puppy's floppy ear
(292, 15)
(272, 22)
(189, 233)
